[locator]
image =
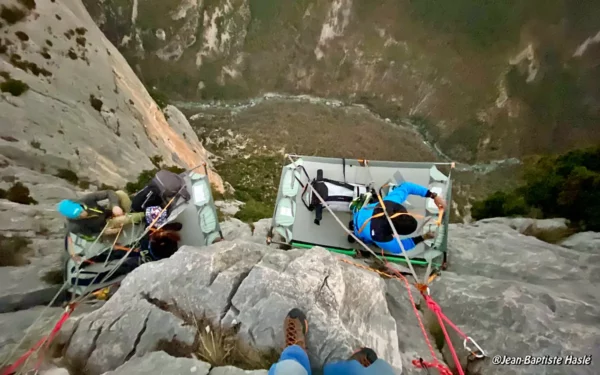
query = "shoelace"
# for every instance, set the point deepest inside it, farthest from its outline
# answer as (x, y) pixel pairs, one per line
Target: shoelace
(292, 333)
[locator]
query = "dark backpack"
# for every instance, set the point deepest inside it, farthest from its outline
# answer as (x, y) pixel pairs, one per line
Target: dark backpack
(163, 186)
(169, 184)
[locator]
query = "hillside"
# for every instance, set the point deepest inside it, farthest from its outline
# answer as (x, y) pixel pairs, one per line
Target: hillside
(483, 80)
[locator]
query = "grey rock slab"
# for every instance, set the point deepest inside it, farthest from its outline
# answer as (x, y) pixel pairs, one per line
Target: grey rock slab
(233, 228)
(345, 305)
(229, 208)
(159, 363)
(22, 287)
(30, 220)
(252, 284)
(516, 295)
(89, 113)
(106, 338)
(230, 370)
(586, 242)
(14, 325)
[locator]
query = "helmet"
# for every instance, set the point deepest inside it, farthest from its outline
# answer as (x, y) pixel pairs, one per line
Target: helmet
(70, 209)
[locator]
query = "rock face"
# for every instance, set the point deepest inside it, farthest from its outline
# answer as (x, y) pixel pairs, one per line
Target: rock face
(226, 283)
(162, 363)
(34, 233)
(85, 110)
(585, 242)
(516, 296)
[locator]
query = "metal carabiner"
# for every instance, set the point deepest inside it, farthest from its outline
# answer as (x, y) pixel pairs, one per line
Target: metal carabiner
(476, 345)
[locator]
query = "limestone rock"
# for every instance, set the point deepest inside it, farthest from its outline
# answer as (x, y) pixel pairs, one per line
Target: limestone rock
(13, 326)
(161, 363)
(233, 228)
(240, 283)
(588, 242)
(22, 287)
(523, 224)
(229, 207)
(230, 370)
(516, 295)
(85, 110)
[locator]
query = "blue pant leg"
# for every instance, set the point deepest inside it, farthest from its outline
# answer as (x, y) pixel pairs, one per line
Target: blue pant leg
(295, 354)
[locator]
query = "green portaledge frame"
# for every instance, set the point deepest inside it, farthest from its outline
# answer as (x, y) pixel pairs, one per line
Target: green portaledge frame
(393, 259)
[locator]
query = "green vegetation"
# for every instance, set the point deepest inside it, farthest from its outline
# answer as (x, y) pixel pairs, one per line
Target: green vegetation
(558, 98)
(566, 186)
(255, 181)
(13, 250)
(146, 176)
(68, 175)
(18, 193)
(12, 14)
(483, 22)
(29, 4)
(161, 99)
(22, 36)
(16, 61)
(96, 103)
(216, 344)
(14, 87)
(53, 277)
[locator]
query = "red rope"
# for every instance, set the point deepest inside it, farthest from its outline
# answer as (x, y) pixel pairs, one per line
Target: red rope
(48, 339)
(443, 370)
(433, 306)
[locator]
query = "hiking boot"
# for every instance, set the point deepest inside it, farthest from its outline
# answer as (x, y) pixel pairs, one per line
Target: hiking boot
(364, 356)
(295, 327)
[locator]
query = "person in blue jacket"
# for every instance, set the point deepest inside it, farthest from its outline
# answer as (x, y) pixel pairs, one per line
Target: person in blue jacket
(376, 230)
(294, 360)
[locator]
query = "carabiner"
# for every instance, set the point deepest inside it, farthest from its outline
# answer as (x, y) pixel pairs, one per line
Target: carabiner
(476, 345)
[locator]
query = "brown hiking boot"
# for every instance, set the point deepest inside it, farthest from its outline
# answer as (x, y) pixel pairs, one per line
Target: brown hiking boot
(364, 356)
(295, 327)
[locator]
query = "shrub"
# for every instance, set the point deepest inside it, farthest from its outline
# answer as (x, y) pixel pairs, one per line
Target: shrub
(5, 75)
(96, 103)
(12, 14)
(80, 40)
(19, 193)
(565, 185)
(22, 36)
(253, 211)
(69, 175)
(53, 277)
(72, 54)
(29, 4)
(84, 184)
(160, 98)
(14, 87)
(13, 250)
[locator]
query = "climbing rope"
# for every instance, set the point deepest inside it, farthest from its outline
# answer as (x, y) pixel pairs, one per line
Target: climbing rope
(44, 340)
(23, 360)
(401, 277)
(422, 287)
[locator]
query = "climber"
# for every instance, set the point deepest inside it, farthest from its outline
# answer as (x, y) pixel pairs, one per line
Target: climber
(373, 229)
(294, 359)
(87, 217)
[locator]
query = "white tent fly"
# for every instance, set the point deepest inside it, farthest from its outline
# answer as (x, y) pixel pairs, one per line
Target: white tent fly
(295, 224)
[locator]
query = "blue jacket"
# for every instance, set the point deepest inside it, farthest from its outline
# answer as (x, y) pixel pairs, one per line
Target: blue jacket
(397, 195)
